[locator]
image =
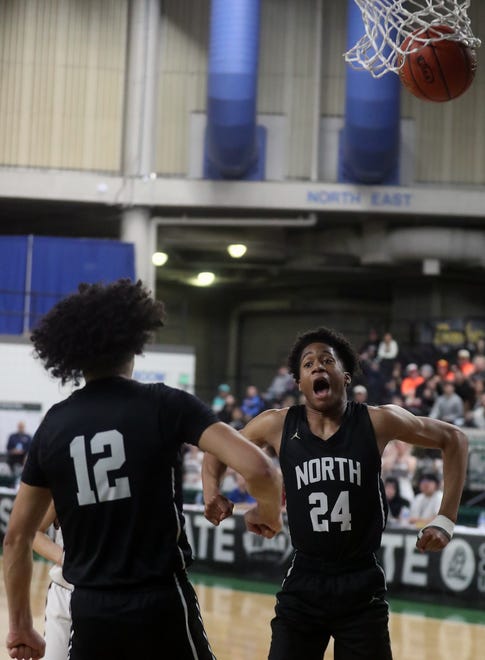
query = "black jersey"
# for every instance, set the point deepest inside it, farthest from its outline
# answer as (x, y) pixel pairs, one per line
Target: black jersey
(111, 455)
(334, 492)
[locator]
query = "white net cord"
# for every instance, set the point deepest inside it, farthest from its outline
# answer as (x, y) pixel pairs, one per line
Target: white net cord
(387, 23)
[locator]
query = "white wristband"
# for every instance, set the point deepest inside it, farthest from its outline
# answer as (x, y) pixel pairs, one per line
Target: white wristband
(443, 523)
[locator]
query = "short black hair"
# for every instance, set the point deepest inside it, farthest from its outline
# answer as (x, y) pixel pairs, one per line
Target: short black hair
(392, 480)
(429, 476)
(336, 340)
(100, 327)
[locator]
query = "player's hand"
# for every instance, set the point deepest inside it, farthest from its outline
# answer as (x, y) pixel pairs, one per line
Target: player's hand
(431, 539)
(218, 508)
(25, 645)
(261, 525)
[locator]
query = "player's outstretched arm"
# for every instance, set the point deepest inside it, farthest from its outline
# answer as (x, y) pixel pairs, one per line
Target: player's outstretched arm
(228, 447)
(30, 505)
(392, 422)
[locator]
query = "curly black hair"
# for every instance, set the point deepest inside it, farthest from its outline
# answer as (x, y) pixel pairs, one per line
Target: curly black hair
(98, 328)
(342, 346)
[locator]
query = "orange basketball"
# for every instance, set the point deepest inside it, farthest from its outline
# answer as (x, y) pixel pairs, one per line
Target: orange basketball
(440, 71)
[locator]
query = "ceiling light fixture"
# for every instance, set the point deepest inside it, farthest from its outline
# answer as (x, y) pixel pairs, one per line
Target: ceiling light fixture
(159, 258)
(204, 279)
(237, 250)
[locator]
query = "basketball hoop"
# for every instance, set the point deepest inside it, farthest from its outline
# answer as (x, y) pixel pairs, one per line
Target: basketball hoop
(388, 23)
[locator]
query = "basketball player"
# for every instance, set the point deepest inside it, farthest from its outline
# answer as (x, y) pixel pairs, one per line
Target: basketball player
(57, 630)
(330, 456)
(110, 455)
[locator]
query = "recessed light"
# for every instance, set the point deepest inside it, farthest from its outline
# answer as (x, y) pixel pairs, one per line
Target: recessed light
(159, 258)
(204, 279)
(237, 250)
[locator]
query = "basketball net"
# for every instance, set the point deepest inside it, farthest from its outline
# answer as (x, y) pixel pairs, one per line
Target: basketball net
(388, 22)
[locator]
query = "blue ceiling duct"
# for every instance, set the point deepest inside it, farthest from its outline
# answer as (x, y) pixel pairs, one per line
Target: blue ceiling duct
(369, 146)
(234, 145)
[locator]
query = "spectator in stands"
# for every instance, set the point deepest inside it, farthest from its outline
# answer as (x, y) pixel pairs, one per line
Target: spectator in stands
(282, 384)
(411, 381)
(425, 394)
(465, 365)
(448, 406)
(428, 460)
(229, 481)
(394, 499)
(220, 398)
(425, 397)
(192, 468)
(237, 418)
(392, 387)
(443, 374)
(253, 403)
(225, 413)
(479, 364)
(426, 504)
(368, 350)
(359, 394)
(18, 445)
(239, 494)
(397, 400)
(427, 372)
(465, 390)
(409, 385)
(398, 461)
(478, 385)
(374, 382)
(290, 400)
(387, 354)
(479, 347)
(476, 417)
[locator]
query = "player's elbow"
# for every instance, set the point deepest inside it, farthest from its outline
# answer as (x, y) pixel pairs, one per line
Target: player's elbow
(264, 477)
(14, 541)
(457, 442)
(462, 441)
(259, 471)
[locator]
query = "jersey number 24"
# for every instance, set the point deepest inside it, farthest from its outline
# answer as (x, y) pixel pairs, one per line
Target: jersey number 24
(340, 512)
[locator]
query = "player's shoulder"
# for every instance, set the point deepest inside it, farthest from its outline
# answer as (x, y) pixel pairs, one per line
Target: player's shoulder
(157, 389)
(390, 418)
(277, 415)
(385, 411)
(266, 428)
(272, 419)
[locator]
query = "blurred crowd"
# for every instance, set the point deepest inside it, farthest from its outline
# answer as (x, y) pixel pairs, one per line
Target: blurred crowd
(452, 388)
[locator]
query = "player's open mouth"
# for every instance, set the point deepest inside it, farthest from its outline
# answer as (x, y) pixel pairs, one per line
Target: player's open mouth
(320, 386)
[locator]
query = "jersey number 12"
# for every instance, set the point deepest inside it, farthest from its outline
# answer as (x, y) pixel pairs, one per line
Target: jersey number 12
(103, 491)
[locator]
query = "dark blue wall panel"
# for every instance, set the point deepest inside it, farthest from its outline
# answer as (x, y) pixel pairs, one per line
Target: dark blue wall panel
(13, 262)
(59, 265)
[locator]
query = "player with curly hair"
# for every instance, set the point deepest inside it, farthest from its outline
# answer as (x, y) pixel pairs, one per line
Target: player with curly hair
(330, 455)
(110, 457)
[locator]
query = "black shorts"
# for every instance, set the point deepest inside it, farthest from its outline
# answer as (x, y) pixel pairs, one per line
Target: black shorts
(318, 601)
(145, 623)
